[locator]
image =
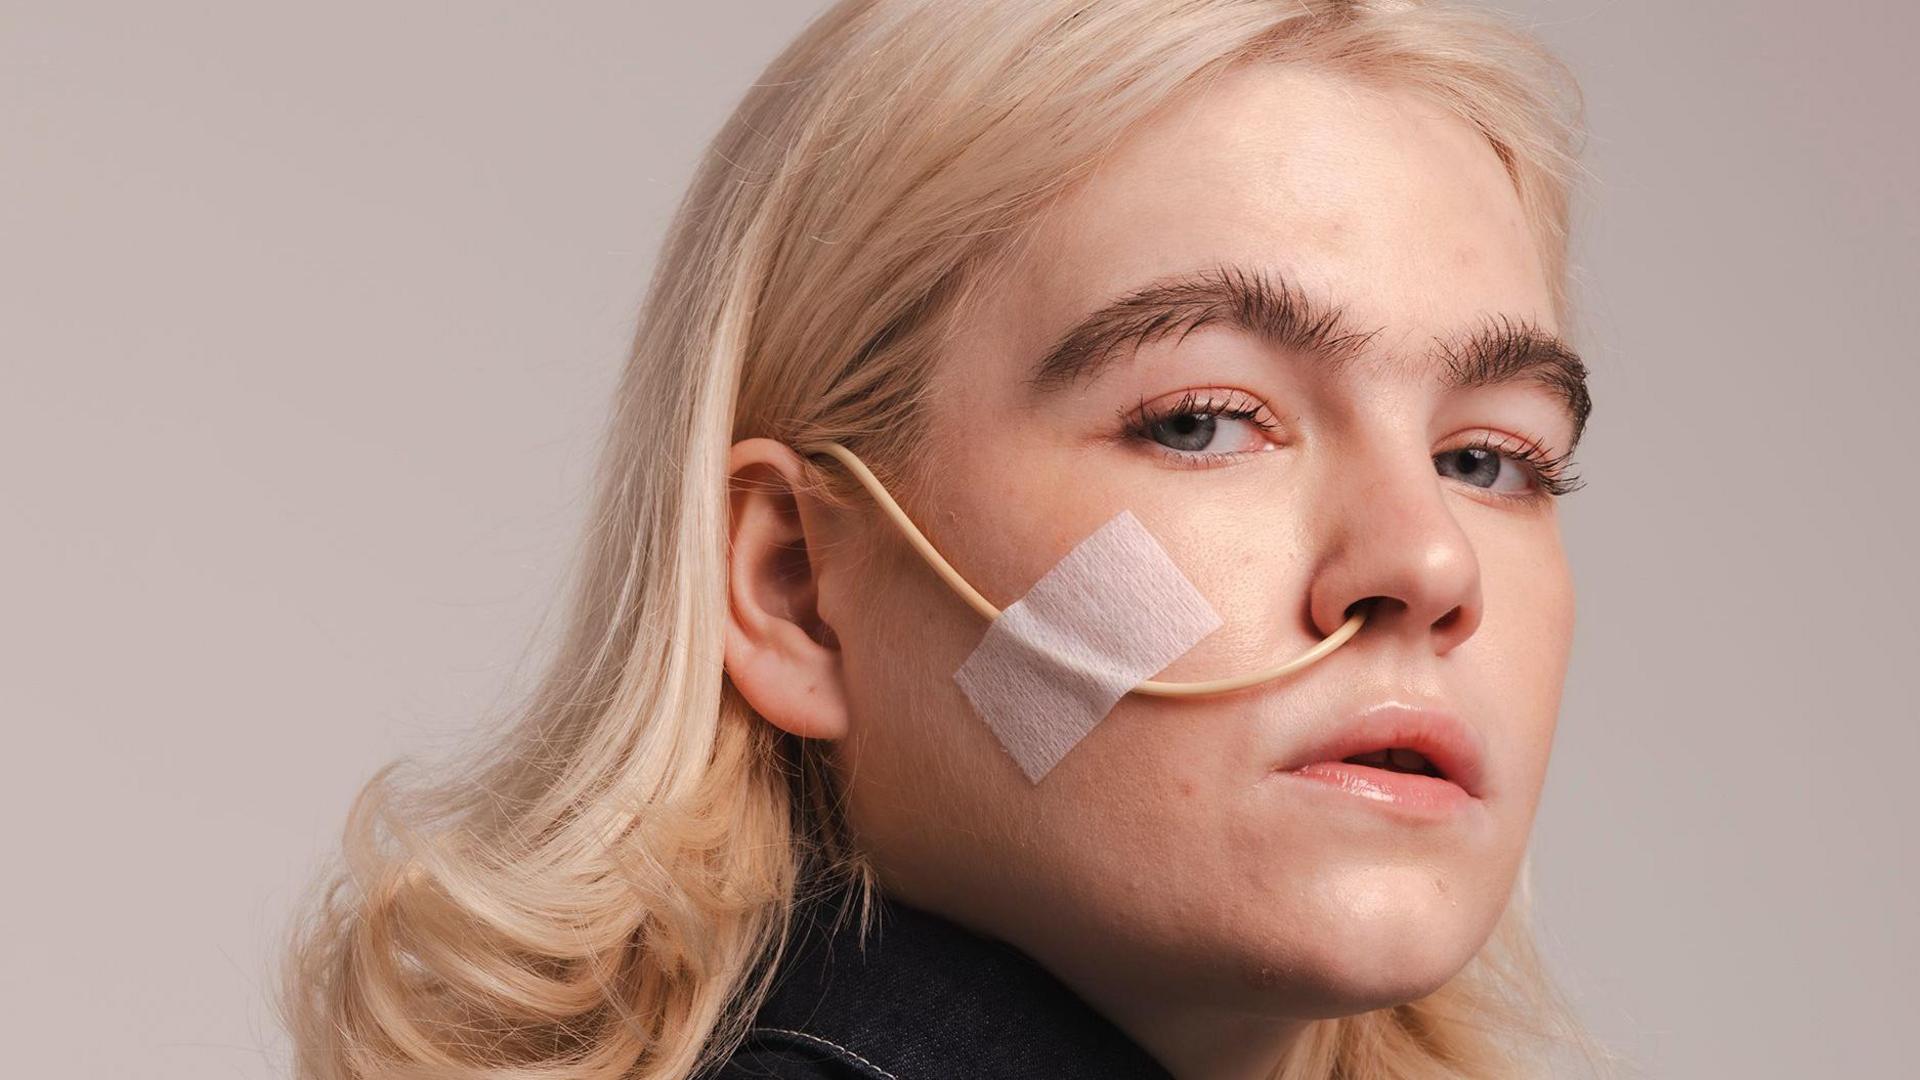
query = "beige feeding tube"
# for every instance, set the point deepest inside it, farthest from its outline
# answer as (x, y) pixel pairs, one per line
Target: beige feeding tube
(1114, 610)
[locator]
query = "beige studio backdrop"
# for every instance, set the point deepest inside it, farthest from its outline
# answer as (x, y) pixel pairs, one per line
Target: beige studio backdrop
(308, 318)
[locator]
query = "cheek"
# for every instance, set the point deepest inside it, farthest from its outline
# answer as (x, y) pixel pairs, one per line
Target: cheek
(1152, 813)
(905, 727)
(929, 791)
(941, 806)
(1518, 661)
(1548, 615)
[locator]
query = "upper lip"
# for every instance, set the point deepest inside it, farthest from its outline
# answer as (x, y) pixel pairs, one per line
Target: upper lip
(1453, 747)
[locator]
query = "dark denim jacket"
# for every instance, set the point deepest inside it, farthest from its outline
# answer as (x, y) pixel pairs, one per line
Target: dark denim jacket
(929, 1000)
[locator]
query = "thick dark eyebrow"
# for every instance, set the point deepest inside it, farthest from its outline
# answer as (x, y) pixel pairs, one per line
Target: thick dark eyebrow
(1501, 350)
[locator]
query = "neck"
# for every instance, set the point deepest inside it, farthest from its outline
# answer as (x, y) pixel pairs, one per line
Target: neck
(1194, 1041)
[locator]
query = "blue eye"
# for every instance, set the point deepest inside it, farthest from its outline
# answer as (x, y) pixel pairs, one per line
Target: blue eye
(1482, 457)
(1192, 431)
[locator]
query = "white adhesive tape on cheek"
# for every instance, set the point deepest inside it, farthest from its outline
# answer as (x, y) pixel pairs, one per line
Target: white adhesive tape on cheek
(1109, 615)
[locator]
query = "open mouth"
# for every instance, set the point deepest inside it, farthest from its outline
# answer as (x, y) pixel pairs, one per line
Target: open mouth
(1397, 759)
(1397, 752)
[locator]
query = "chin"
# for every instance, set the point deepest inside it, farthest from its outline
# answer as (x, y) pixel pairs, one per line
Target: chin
(1397, 947)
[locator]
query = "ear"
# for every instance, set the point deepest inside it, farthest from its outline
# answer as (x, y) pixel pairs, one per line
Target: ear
(780, 653)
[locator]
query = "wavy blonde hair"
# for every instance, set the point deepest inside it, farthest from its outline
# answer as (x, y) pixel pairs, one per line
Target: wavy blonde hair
(596, 889)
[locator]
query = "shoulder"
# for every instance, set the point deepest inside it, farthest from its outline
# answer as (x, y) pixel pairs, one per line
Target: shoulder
(771, 1053)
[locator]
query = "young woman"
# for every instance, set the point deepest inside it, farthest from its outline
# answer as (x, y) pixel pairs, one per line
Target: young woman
(1279, 286)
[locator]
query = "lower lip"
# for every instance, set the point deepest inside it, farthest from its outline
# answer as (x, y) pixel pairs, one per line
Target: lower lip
(1411, 793)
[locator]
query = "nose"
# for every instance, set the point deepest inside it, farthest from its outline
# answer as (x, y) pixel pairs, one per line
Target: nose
(1390, 534)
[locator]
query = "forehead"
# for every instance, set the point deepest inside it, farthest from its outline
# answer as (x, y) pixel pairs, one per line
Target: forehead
(1373, 197)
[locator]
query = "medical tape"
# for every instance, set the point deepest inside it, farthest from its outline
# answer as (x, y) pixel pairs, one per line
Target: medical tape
(1111, 613)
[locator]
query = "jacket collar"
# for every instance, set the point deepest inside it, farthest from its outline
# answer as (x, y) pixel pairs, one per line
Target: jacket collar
(927, 998)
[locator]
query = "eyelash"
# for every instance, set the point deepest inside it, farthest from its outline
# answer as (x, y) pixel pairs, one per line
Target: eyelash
(1552, 477)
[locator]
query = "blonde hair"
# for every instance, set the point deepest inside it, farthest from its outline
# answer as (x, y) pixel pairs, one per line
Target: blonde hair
(594, 892)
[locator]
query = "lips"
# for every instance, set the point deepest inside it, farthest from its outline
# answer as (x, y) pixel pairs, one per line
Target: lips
(1414, 742)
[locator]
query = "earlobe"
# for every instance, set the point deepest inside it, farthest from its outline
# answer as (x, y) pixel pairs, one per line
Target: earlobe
(781, 655)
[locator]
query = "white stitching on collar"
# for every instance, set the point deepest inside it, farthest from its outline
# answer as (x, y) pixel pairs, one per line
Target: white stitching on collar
(835, 1045)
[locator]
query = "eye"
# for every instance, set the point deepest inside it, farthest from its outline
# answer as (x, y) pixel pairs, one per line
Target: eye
(1202, 427)
(1205, 427)
(1540, 475)
(1485, 468)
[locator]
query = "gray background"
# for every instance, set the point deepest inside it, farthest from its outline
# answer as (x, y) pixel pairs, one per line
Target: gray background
(308, 320)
